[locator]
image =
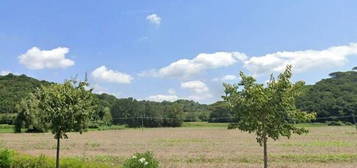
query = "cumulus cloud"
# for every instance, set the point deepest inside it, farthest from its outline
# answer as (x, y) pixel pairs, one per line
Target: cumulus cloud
(102, 73)
(198, 88)
(185, 68)
(195, 86)
(162, 97)
(98, 89)
(36, 58)
(154, 19)
(301, 60)
(3, 73)
(225, 78)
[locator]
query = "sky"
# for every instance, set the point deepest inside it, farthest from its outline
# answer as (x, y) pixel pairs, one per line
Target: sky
(179, 49)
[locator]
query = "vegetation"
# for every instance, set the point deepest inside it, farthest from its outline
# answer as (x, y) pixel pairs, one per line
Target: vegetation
(141, 160)
(333, 99)
(189, 147)
(269, 111)
(60, 108)
(111, 110)
(12, 159)
(220, 112)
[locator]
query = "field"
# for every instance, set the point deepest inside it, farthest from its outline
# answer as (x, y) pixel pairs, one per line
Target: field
(199, 145)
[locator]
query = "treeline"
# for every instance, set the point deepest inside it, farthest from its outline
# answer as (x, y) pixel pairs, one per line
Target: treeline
(111, 110)
(134, 113)
(333, 99)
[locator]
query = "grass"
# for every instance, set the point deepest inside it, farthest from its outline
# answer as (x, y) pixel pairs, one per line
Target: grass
(204, 124)
(199, 144)
(5, 128)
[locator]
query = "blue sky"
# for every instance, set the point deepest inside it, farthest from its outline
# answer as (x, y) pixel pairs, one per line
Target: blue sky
(174, 49)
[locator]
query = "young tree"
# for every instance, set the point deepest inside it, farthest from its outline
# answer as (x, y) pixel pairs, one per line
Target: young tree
(268, 111)
(63, 108)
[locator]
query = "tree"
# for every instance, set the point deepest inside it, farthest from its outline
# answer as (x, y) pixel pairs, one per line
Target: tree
(62, 108)
(334, 98)
(268, 111)
(220, 112)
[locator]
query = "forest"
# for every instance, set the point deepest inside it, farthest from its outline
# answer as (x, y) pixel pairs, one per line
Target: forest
(333, 99)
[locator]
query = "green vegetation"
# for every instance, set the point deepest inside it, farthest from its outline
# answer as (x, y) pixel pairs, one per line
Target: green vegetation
(220, 112)
(333, 99)
(12, 159)
(269, 111)
(141, 160)
(204, 124)
(60, 108)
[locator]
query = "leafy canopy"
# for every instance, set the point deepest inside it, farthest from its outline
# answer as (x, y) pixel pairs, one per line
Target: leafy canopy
(268, 111)
(63, 107)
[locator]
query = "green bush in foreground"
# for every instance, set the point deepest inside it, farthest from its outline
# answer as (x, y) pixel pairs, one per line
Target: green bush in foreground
(11, 159)
(141, 160)
(5, 158)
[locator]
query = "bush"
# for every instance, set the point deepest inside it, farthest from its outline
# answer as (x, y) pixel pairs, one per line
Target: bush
(5, 158)
(11, 159)
(335, 123)
(32, 162)
(141, 160)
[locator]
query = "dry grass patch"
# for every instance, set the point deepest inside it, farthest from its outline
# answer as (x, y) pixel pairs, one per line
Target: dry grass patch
(330, 147)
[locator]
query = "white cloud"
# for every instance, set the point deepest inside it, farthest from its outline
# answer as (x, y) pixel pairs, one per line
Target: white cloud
(161, 97)
(3, 73)
(102, 73)
(171, 91)
(225, 78)
(195, 86)
(36, 58)
(97, 89)
(198, 88)
(185, 68)
(154, 19)
(301, 60)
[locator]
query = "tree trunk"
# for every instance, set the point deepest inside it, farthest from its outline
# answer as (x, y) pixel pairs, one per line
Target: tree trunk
(58, 152)
(265, 153)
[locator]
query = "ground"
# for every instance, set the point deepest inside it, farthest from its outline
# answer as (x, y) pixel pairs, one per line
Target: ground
(196, 146)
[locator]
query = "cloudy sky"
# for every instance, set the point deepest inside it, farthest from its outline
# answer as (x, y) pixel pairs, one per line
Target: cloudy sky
(167, 50)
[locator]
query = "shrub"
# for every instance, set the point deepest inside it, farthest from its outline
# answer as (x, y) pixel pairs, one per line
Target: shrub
(22, 161)
(141, 160)
(348, 123)
(5, 158)
(11, 159)
(335, 123)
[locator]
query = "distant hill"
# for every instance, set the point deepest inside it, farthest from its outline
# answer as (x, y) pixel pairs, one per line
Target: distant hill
(13, 88)
(334, 98)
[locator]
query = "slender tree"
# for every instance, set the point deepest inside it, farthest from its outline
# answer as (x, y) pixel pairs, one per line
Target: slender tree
(268, 111)
(63, 108)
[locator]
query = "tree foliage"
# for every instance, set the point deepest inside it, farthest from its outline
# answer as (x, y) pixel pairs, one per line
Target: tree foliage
(146, 113)
(61, 108)
(13, 88)
(269, 111)
(220, 112)
(334, 98)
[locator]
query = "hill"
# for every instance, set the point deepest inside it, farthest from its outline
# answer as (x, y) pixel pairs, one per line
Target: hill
(15, 87)
(334, 98)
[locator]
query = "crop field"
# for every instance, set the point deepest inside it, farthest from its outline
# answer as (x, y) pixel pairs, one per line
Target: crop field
(200, 145)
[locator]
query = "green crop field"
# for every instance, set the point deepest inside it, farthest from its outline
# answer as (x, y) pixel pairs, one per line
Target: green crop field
(199, 145)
